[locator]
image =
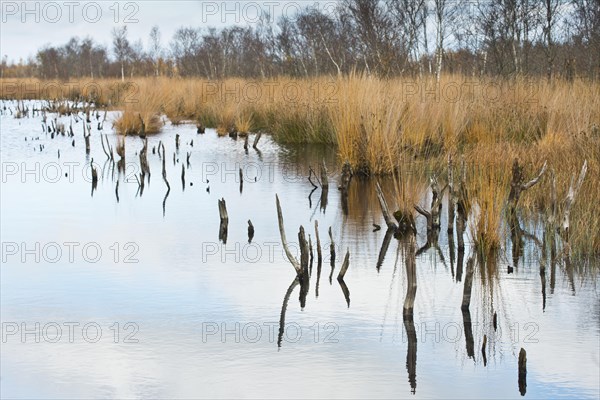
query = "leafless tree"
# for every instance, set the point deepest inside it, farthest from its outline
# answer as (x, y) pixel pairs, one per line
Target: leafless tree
(121, 47)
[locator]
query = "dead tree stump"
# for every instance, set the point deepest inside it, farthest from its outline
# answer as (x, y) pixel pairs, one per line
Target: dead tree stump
(410, 253)
(466, 300)
(224, 217)
(518, 184)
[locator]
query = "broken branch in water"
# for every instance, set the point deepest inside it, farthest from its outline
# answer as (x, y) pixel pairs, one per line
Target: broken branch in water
(384, 209)
(288, 253)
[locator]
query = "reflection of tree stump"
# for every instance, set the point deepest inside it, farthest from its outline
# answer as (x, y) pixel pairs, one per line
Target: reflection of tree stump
(468, 328)
(345, 185)
(411, 353)
(522, 372)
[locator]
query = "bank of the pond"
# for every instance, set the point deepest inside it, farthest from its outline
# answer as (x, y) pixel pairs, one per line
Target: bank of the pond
(385, 127)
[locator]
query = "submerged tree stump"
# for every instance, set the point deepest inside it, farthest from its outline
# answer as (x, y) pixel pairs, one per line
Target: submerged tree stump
(324, 178)
(411, 275)
(319, 251)
(346, 178)
(297, 266)
(466, 300)
(384, 209)
(224, 217)
(331, 248)
(345, 185)
(144, 166)
(518, 184)
(433, 216)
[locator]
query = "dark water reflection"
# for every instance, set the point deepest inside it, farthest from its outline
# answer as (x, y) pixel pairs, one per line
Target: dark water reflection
(217, 316)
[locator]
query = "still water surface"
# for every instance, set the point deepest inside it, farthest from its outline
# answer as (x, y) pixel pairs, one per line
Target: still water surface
(137, 301)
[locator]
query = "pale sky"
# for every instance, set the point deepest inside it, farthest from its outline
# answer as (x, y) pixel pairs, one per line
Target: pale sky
(27, 26)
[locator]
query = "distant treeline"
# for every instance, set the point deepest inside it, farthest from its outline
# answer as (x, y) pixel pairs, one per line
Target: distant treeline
(381, 37)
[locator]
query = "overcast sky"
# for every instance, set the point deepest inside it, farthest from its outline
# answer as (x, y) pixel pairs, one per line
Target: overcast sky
(27, 26)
